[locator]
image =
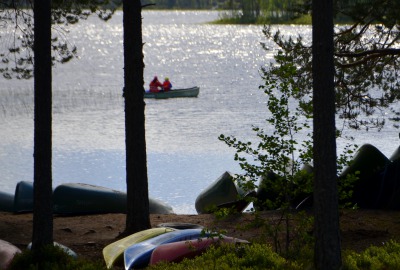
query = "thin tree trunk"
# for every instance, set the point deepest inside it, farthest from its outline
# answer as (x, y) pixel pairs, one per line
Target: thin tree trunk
(43, 206)
(137, 218)
(327, 246)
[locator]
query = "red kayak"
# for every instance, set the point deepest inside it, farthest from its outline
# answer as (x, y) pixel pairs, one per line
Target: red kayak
(177, 251)
(7, 253)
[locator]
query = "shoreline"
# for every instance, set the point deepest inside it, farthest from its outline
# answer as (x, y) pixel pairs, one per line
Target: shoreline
(87, 235)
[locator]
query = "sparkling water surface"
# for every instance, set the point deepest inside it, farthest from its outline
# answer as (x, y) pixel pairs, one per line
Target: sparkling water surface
(184, 153)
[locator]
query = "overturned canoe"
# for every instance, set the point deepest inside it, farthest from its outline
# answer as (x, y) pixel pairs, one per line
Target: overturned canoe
(6, 202)
(177, 251)
(222, 193)
(174, 93)
(370, 164)
(138, 255)
(7, 253)
(23, 197)
(113, 252)
(78, 198)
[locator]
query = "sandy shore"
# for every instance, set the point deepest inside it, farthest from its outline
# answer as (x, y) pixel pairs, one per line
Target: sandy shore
(88, 235)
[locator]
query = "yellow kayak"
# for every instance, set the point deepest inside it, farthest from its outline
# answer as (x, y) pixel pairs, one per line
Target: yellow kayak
(114, 251)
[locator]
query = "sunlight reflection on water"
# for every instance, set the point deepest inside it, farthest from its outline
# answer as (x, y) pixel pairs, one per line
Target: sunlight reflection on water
(184, 153)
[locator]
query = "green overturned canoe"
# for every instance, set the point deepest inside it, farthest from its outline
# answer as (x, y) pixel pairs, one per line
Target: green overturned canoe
(223, 192)
(370, 165)
(174, 93)
(23, 197)
(6, 202)
(78, 198)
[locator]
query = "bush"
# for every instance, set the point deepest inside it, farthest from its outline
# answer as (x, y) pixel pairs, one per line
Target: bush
(51, 258)
(254, 256)
(374, 258)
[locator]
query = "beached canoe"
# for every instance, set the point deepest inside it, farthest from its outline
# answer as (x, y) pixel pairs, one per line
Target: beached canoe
(79, 198)
(113, 252)
(177, 251)
(222, 193)
(7, 253)
(23, 197)
(174, 93)
(138, 255)
(370, 164)
(180, 225)
(6, 202)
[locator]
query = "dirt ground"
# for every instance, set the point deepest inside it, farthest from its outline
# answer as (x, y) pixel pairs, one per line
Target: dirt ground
(88, 235)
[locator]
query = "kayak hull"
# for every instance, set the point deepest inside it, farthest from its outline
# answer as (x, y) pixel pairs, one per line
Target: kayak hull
(113, 252)
(138, 255)
(177, 251)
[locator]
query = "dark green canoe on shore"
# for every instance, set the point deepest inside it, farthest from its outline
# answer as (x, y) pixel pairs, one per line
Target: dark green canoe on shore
(223, 193)
(79, 199)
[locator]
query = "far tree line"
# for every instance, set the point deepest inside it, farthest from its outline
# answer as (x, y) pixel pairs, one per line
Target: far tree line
(255, 11)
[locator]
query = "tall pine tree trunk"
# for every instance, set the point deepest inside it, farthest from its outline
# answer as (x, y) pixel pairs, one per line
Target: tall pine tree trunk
(137, 217)
(43, 207)
(327, 246)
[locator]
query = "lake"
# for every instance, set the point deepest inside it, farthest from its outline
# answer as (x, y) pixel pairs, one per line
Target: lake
(184, 153)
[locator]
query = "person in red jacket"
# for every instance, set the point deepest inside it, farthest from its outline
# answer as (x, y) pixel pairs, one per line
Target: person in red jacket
(167, 84)
(155, 84)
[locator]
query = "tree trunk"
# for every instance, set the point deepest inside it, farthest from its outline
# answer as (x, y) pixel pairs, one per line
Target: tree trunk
(137, 217)
(43, 207)
(327, 245)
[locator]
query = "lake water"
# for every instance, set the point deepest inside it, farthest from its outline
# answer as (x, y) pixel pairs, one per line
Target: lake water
(184, 153)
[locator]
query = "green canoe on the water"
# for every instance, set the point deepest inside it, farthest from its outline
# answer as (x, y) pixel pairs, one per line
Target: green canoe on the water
(113, 252)
(174, 93)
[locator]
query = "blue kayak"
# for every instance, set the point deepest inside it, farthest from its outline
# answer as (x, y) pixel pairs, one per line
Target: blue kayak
(138, 255)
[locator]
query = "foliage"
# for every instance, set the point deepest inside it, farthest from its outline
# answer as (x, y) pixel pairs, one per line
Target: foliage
(51, 258)
(258, 256)
(366, 60)
(255, 256)
(281, 158)
(366, 54)
(279, 152)
(290, 233)
(385, 257)
(17, 25)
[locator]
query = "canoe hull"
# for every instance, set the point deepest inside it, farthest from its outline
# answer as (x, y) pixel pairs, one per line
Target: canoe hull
(6, 202)
(177, 251)
(78, 199)
(175, 93)
(221, 191)
(113, 253)
(7, 253)
(138, 255)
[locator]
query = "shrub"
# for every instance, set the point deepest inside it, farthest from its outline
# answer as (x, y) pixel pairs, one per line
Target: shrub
(255, 256)
(51, 258)
(374, 258)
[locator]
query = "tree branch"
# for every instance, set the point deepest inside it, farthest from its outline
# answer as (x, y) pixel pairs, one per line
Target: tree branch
(374, 53)
(146, 5)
